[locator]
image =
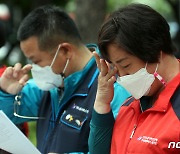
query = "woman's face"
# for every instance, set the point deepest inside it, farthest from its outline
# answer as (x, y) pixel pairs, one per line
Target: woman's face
(127, 64)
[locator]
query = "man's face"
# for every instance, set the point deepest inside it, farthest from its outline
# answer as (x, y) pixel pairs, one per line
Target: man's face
(31, 50)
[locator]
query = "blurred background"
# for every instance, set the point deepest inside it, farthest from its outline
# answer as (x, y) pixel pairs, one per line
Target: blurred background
(87, 14)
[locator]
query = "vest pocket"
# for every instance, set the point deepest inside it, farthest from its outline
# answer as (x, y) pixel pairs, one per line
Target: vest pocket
(73, 120)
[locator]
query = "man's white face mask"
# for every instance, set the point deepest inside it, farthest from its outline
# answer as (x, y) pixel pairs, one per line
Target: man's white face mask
(45, 78)
(139, 83)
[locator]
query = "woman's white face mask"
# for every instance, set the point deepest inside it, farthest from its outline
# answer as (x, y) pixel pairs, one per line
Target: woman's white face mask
(139, 83)
(45, 78)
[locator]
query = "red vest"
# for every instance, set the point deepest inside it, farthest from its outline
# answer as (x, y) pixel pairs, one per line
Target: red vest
(2, 69)
(155, 131)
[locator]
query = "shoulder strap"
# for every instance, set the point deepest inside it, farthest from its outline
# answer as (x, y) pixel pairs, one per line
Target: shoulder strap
(128, 101)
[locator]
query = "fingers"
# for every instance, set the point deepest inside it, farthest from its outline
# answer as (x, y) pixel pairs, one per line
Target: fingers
(26, 68)
(106, 70)
(23, 80)
(17, 69)
(97, 60)
(101, 64)
(104, 67)
(8, 72)
(110, 76)
(112, 80)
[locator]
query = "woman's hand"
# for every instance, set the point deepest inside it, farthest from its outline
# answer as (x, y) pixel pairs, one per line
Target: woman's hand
(105, 90)
(14, 78)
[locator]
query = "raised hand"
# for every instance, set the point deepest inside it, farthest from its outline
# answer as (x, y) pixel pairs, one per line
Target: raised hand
(14, 78)
(105, 90)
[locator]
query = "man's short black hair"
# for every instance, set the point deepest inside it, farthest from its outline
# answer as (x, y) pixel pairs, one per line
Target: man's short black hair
(51, 25)
(137, 29)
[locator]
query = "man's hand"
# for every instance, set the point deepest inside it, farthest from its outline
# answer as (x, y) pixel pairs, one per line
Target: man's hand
(105, 90)
(14, 78)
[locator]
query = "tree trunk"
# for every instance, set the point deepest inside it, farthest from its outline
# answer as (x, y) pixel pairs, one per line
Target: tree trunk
(175, 5)
(89, 16)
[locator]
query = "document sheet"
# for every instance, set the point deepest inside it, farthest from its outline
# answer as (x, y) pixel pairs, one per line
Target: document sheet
(12, 139)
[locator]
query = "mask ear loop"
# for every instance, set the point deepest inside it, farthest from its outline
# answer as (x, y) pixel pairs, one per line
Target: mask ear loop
(156, 68)
(63, 75)
(55, 55)
(159, 77)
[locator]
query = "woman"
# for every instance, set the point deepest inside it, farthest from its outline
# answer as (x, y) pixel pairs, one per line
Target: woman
(135, 42)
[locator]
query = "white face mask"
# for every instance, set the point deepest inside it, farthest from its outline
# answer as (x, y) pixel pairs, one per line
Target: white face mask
(139, 83)
(45, 78)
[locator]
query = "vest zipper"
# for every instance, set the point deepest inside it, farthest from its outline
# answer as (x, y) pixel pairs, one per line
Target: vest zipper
(133, 131)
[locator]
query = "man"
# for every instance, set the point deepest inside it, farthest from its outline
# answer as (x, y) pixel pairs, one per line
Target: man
(66, 74)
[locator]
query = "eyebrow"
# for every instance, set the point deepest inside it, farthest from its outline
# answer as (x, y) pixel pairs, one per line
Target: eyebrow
(121, 60)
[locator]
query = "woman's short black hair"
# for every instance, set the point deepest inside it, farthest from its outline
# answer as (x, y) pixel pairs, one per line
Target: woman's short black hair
(137, 29)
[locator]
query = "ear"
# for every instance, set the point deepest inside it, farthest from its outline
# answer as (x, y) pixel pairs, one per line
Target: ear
(67, 50)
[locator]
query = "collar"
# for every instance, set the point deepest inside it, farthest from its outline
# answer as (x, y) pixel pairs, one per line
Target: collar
(73, 81)
(145, 103)
(93, 47)
(163, 100)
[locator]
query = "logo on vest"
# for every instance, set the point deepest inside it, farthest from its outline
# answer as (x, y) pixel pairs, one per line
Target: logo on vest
(69, 117)
(80, 108)
(147, 139)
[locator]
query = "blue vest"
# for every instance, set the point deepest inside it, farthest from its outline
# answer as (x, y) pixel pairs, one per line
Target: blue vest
(69, 132)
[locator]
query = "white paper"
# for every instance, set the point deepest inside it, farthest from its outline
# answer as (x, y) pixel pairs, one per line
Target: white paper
(12, 139)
